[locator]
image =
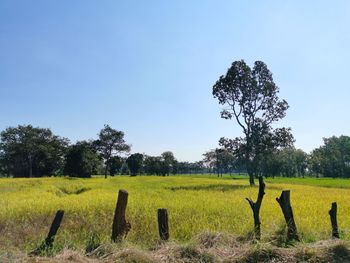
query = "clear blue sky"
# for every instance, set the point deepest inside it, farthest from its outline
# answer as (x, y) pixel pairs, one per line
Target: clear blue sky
(148, 67)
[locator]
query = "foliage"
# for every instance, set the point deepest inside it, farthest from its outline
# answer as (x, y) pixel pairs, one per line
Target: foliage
(168, 162)
(152, 165)
(287, 162)
(115, 164)
(191, 167)
(81, 160)
(221, 160)
(250, 98)
(124, 170)
(160, 165)
(135, 162)
(28, 151)
(110, 143)
(333, 158)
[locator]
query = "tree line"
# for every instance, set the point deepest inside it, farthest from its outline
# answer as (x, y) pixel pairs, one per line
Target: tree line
(27, 151)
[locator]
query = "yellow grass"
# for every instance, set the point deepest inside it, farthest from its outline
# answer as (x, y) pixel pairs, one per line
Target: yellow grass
(195, 205)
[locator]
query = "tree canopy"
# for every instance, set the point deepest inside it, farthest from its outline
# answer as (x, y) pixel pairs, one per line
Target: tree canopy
(28, 151)
(81, 160)
(333, 158)
(135, 163)
(110, 142)
(250, 98)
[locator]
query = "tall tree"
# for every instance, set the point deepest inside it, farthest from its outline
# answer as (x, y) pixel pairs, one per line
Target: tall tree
(250, 98)
(29, 151)
(110, 143)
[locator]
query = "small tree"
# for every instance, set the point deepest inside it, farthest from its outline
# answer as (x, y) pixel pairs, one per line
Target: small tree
(110, 143)
(250, 98)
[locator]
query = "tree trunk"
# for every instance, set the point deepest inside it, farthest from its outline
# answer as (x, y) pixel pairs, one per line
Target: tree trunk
(284, 202)
(106, 171)
(256, 208)
(251, 178)
(120, 226)
(30, 164)
(333, 216)
(163, 225)
(51, 235)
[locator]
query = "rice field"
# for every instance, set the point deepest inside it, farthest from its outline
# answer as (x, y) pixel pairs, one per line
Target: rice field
(195, 204)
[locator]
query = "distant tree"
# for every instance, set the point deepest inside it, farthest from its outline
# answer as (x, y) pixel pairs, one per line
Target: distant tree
(135, 163)
(152, 165)
(82, 160)
(3, 165)
(271, 164)
(250, 98)
(301, 160)
(288, 162)
(184, 168)
(28, 151)
(219, 159)
(333, 158)
(315, 162)
(125, 169)
(115, 164)
(110, 143)
(168, 162)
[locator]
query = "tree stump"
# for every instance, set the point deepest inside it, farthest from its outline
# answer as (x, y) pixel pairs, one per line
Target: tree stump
(333, 216)
(284, 202)
(256, 208)
(120, 226)
(163, 225)
(51, 235)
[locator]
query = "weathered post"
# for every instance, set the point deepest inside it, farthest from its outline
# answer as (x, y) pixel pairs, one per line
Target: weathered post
(51, 235)
(256, 208)
(333, 216)
(284, 202)
(120, 227)
(163, 225)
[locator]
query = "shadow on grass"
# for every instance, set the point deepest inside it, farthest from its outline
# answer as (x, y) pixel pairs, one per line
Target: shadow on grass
(340, 253)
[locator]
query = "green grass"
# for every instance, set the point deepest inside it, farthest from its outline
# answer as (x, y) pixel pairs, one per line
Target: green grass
(196, 204)
(312, 181)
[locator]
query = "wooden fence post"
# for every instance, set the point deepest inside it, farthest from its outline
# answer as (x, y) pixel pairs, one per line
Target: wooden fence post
(333, 216)
(284, 202)
(120, 226)
(163, 225)
(256, 208)
(51, 235)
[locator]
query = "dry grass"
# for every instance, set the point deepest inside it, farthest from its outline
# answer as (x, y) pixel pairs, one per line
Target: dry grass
(206, 248)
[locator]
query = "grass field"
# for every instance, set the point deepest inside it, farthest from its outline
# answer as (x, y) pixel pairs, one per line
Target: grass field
(196, 204)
